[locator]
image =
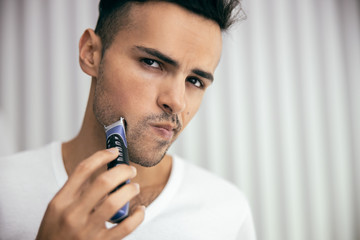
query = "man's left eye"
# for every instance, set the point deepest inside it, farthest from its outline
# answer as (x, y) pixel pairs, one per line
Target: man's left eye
(196, 82)
(151, 62)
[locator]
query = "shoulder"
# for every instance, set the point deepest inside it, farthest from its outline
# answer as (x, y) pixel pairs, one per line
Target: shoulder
(210, 189)
(23, 163)
(28, 171)
(205, 202)
(33, 153)
(206, 180)
(27, 183)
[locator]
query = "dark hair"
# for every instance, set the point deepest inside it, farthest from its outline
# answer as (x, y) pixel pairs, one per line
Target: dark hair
(223, 12)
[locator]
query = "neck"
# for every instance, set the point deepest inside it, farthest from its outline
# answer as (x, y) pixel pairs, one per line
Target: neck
(91, 138)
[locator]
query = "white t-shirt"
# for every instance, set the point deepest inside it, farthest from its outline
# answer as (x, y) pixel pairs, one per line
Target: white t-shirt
(194, 204)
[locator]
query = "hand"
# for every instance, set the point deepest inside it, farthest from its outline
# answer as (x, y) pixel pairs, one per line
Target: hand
(79, 210)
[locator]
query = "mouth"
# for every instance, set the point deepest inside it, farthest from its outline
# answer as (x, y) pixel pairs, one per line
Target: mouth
(165, 130)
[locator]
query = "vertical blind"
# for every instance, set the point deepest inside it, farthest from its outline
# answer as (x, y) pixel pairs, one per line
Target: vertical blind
(281, 120)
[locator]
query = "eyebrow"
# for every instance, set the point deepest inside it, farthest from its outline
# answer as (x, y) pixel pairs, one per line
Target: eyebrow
(159, 55)
(203, 74)
(169, 60)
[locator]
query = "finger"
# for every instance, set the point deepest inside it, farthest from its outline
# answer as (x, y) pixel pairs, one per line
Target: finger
(104, 184)
(128, 225)
(114, 202)
(88, 166)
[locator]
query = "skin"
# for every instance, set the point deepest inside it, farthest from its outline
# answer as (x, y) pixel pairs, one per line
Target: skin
(154, 74)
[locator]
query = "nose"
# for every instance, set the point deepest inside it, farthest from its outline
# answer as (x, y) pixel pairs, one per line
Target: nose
(171, 98)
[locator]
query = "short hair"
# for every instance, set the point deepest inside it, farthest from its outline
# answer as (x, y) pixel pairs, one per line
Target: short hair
(113, 14)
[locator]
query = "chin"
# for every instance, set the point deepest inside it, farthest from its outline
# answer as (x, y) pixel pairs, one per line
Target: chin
(147, 161)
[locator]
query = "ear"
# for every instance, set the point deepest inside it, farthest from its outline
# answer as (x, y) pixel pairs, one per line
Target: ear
(90, 52)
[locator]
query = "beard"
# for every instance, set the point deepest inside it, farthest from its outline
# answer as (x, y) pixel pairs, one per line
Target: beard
(144, 148)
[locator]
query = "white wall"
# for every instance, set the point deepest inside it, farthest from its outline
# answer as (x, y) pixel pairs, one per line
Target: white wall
(281, 119)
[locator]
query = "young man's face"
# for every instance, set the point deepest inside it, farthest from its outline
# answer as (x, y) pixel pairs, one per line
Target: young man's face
(154, 74)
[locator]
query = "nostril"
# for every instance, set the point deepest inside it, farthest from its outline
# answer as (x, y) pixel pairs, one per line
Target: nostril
(167, 108)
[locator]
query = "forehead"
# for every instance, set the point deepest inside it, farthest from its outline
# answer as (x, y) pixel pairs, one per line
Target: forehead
(173, 30)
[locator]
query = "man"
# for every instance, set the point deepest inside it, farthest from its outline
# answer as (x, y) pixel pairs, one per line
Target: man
(150, 62)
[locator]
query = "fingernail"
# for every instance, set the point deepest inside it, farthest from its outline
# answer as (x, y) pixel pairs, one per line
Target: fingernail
(113, 150)
(137, 186)
(133, 169)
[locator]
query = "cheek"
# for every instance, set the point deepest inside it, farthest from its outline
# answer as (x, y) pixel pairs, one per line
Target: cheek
(190, 111)
(130, 101)
(127, 91)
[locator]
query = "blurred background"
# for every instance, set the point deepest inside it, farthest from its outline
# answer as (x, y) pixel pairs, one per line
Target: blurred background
(281, 121)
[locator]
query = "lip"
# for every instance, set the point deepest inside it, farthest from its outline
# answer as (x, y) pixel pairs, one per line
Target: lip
(166, 131)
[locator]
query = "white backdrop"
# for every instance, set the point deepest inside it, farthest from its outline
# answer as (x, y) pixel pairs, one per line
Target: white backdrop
(282, 119)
